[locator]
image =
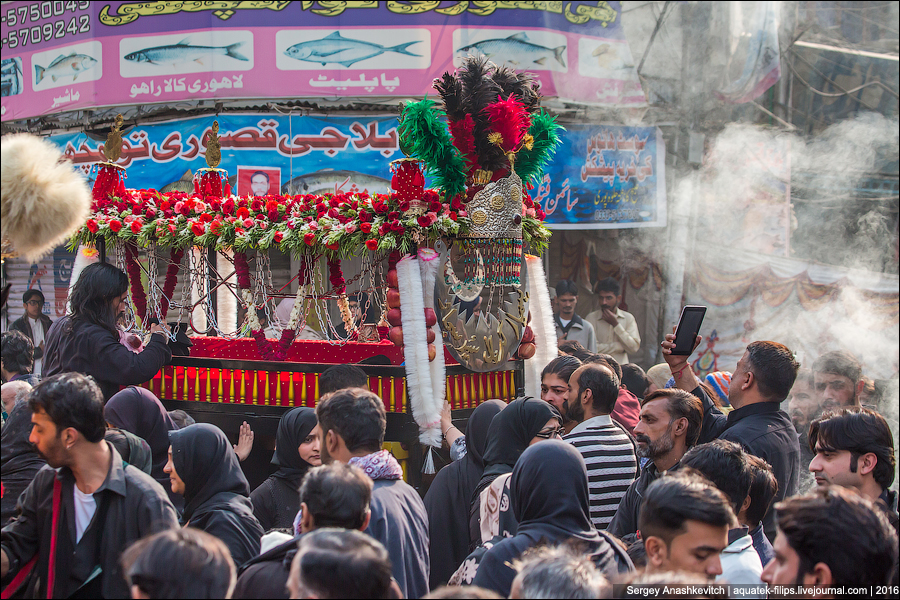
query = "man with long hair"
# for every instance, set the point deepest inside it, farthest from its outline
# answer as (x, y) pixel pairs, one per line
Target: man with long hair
(86, 339)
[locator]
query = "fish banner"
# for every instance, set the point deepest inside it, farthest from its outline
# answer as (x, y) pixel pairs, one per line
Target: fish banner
(605, 177)
(602, 177)
(62, 56)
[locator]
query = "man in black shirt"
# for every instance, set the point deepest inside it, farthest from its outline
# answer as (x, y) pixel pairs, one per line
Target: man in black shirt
(761, 381)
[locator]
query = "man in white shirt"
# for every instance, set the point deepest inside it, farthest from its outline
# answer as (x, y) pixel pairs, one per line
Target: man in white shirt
(34, 324)
(616, 330)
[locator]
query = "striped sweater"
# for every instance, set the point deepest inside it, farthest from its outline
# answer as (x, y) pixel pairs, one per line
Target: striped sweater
(610, 455)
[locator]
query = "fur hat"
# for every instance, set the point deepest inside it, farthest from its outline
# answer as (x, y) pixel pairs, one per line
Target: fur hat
(43, 199)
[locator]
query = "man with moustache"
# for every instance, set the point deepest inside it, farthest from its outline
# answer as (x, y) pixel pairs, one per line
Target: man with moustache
(838, 379)
(669, 426)
(616, 330)
(84, 511)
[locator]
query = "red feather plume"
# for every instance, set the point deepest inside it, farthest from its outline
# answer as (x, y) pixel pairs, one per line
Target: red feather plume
(510, 119)
(463, 132)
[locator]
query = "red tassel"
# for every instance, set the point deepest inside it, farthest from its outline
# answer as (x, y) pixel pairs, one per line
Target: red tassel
(196, 185)
(227, 190)
(464, 140)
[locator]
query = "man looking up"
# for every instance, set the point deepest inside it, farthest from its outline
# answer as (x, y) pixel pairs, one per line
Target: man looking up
(570, 326)
(104, 504)
(351, 430)
(760, 382)
(855, 448)
(727, 467)
(616, 330)
(684, 523)
(668, 427)
(608, 451)
(334, 495)
(832, 537)
(838, 380)
(34, 324)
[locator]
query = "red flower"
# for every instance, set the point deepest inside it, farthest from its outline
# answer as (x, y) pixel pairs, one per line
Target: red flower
(172, 228)
(332, 246)
(256, 205)
(396, 226)
(364, 217)
(452, 216)
(206, 217)
(541, 215)
(115, 225)
(404, 205)
(243, 213)
(271, 205)
(228, 207)
(456, 203)
(215, 227)
(309, 239)
(136, 226)
(151, 213)
(372, 244)
(365, 227)
(165, 205)
(185, 208)
(92, 226)
(273, 215)
(424, 221)
(278, 237)
(434, 206)
(198, 228)
(248, 223)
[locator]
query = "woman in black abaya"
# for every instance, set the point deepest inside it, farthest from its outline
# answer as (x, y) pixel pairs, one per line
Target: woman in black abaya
(204, 468)
(448, 498)
(140, 412)
(520, 424)
(550, 502)
(276, 501)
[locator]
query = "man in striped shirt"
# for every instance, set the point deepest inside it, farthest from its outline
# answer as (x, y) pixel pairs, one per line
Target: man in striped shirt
(609, 452)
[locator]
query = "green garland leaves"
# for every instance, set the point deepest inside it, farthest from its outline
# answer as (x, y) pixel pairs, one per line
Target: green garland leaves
(545, 131)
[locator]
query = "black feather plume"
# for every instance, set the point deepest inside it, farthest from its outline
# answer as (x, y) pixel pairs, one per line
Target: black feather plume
(450, 89)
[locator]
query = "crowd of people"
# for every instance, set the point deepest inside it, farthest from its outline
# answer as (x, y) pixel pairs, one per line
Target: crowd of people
(614, 483)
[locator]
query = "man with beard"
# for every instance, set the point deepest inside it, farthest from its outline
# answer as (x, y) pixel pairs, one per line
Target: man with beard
(838, 378)
(609, 452)
(99, 504)
(669, 426)
(804, 407)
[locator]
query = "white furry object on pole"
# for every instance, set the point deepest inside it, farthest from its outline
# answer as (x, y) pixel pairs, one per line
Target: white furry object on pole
(44, 200)
(415, 352)
(541, 324)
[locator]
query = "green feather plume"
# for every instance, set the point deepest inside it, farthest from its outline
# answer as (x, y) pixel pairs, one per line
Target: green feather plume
(424, 135)
(545, 131)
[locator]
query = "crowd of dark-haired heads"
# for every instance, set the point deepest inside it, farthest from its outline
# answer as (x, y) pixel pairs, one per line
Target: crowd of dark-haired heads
(558, 497)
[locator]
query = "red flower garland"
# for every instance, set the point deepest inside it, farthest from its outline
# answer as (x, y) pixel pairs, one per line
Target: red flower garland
(336, 276)
(242, 269)
(171, 281)
(138, 296)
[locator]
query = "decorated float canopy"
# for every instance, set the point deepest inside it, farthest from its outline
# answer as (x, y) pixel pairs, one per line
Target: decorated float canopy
(457, 275)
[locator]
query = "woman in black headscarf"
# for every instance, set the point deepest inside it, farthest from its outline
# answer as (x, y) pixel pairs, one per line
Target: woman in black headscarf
(550, 502)
(448, 498)
(276, 501)
(523, 422)
(204, 468)
(139, 411)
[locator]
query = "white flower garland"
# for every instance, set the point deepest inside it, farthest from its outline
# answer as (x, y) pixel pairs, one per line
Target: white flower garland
(297, 309)
(252, 317)
(425, 407)
(541, 324)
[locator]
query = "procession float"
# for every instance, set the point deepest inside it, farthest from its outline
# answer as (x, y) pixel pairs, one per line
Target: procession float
(452, 272)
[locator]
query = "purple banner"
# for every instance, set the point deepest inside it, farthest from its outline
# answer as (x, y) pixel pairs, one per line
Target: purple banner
(60, 56)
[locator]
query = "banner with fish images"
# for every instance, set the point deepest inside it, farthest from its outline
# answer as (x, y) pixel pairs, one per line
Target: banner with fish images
(601, 176)
(61, 56)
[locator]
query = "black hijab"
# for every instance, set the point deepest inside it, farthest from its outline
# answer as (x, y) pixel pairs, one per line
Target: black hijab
(447, 500)
(216, 493)
(293, 428)
(509, 434)
(138, 411)
(206, 462)
(133, 450)
(549, 489)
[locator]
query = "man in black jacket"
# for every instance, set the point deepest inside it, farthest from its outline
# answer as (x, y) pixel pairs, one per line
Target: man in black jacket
(762, 380)
(668, 427)
(34, 324)
(101, 504)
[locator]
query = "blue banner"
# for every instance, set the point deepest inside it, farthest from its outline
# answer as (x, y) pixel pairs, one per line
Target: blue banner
(605, 177)
(602, 177)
